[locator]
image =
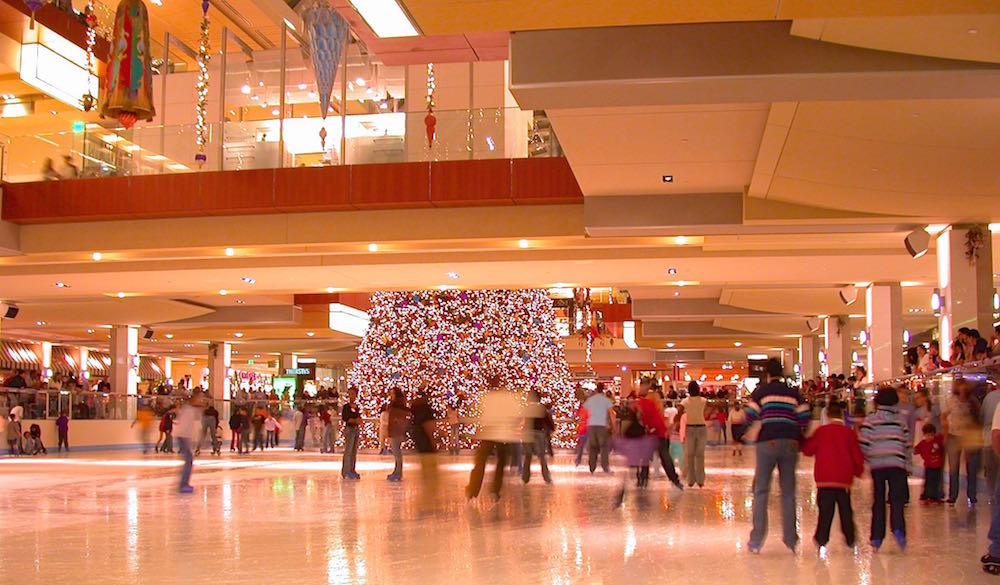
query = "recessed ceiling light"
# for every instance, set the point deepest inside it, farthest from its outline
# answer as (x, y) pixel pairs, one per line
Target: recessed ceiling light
(670, 344)
(680, 240)
(373, 247)
(245, 90)
(303, 86)
(973, 31)
(738, 343)
(671, 271)
(330, 289)
(453, 275)
(90, 330)
(169, 335)
(260, 83)
(523, 243)
(230, 252)
(240, 301)
(96, 256)
(62, 285)
(121, 295)
(223, 292)
(248, 280)
(256, 355)
(677, 293)
(40, 323)
(238, 334)
(309, 333)
(668, 178)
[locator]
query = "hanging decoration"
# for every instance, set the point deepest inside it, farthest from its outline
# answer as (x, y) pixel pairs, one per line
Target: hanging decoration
(327, 38)
(588, 326)
(128, 93)
(430, 121)
(89, 100)
(201, 107)
(34, 5)
(975, 239)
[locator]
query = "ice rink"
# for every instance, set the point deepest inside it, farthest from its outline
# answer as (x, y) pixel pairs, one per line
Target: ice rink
(281, 517)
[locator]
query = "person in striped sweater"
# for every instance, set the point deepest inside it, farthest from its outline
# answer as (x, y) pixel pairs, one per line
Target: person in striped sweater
(885, 440)
(783, 420)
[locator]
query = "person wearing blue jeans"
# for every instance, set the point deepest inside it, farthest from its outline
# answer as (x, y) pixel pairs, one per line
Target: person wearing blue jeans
(784, 417)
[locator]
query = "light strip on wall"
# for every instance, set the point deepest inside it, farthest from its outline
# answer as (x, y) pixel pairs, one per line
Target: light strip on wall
(629, 334)
(386, 18)
(348, 320)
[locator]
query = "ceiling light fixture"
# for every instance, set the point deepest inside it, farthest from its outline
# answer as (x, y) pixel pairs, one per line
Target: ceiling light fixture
(245, 90)
(373, 247)
(671, 271)
(248, 280)
(240, 301)
(671, 344)
(62, 285)
(453, 275)
(330, 289)
(238, 334)
(96, 256)
(40, 323)
(937, 301)
(223, 292)
(169, 335)
(523, 243)
(303, 86)
(121, 295)
(310, 333)
(386, 18)
(738, 343)
(680, 240)
(230, 252)
(917, 242)
(668, 178)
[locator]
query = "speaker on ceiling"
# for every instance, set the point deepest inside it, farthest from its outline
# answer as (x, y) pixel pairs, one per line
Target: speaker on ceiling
(813, 324)
(916, 242)
(849, 294)
(146, 333)
(8, 311)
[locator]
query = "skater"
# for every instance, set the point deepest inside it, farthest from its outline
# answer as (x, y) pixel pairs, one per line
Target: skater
(655, 424)
(931, 450)
(326, 445)
(960, 426)
(36, 437)
(498, 427)
(451, 415)
(423, 440)
(399, 424)
(535, 419)
(271, 428)
(383, 430)
(235, 424)
(884, 440)
(638, 446)
(352, 420)
(838, 461)
(209, 422)
(784, 417)
(599, 407)
(696, 435)
(188, 427)
(257, 422)
(62, 428)
(581, 434)
(166, 431)
(991, 560)
(737, 424)
(299, 422)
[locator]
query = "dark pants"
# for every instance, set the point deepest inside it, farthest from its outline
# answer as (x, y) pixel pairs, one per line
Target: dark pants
(580, 445)
(350, 451)
(188, 455)
(666, 460)
(536, 447)
(63, 440)
(828, 499)
(258, 440)
(893, 478)
(479, 468)
(300, 438)
(932, 484)
(599, 443)
(956, 450)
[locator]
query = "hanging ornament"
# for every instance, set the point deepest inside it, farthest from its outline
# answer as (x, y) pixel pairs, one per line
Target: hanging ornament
(322, 137)
(201, 107)
(128, 93)
(430, 121)
(327, 37)
(89, 100)
(34, 5)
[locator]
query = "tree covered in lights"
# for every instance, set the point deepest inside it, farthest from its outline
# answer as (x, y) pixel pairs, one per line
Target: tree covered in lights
(451, 341)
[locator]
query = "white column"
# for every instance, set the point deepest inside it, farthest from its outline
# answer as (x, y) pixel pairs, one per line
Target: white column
(287, 361)
(46, 360)
(809, 356)
(124, 359)
(838, 344)
(219, 356)
(884, 309)
(966, 285)
(788, 359)
(82, 359)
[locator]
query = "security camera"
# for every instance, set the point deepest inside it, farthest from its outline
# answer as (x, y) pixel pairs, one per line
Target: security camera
(146, 333)
(8, 311)
(916, 242)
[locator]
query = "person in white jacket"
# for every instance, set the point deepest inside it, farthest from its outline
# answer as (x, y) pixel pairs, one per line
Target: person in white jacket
(186, 429)
(500, 421)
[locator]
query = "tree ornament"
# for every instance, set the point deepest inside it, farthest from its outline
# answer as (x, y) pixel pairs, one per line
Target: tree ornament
(328, 32)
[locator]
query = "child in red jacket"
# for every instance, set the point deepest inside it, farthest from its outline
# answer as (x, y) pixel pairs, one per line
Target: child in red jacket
(931, 450)
(838, 461)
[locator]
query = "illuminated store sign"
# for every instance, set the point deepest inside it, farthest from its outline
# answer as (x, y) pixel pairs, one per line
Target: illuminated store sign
(63, 74)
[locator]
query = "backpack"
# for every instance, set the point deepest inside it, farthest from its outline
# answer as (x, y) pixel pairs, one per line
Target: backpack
(632, 426)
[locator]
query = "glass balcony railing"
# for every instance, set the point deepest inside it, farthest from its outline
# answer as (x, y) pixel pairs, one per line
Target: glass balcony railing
(94, 150)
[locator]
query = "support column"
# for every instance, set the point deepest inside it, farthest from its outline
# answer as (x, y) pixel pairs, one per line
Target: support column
(82, 361)
(124, 359)
(884, 308)
(966, 286)
(287, 361)
(809, 356)
(219, 356)
(838, 344)
(788, 359)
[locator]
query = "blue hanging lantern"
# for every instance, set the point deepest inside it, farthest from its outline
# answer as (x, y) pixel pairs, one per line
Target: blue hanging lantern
(328, 32)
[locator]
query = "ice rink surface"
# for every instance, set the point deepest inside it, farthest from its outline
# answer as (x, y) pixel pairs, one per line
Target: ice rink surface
(282, 517)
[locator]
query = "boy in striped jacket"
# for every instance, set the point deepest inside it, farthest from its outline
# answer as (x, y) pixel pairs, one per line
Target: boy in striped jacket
(885, 441)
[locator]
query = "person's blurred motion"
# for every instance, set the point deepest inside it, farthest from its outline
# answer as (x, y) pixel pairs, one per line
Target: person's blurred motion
(187, 430)
(535, 442)
(352, 420)
(637, 446)
(423, 439)
(399, 424)
(144, 418)
(499, 426)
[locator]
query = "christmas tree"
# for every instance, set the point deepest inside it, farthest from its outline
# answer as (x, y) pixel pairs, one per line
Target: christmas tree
(451, 341)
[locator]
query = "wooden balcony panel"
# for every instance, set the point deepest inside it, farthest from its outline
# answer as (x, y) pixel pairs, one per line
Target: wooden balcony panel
(313, 189)
(390, 186)
(471, 182)
(544, 181)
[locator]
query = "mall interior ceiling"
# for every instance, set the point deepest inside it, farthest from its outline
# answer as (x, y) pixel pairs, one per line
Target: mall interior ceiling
(740, 163)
